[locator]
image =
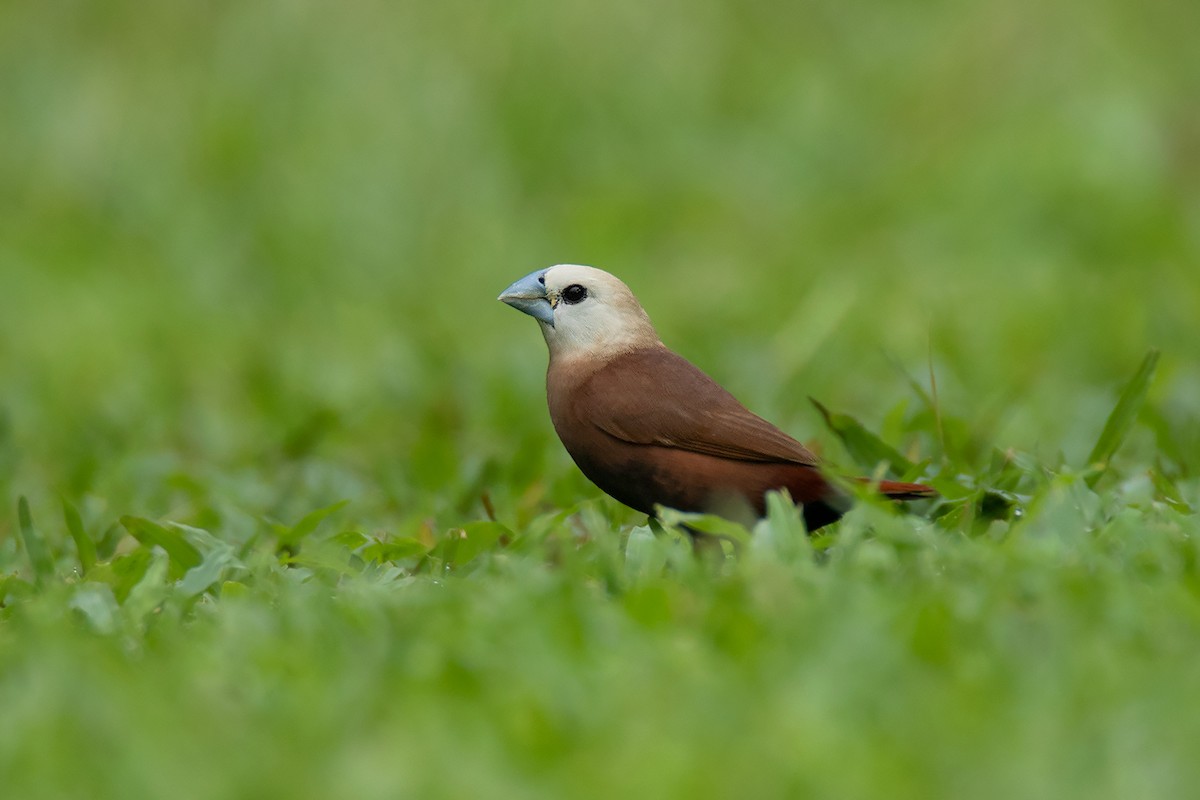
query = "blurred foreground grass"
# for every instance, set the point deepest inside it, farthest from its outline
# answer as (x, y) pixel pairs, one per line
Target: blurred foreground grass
(248, 261)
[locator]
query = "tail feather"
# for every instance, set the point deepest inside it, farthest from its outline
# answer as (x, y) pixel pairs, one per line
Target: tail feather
(906, 491)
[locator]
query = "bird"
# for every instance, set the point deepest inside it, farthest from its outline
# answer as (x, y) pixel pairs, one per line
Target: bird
(651, 429)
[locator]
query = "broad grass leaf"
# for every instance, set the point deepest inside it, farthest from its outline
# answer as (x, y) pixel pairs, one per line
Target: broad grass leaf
(289, 537)
(351, 540)
(461, 545)
(1119, 422)
(867, 449)
(36, 548)
(974, 512)
(96, 603)
(234, 590)
(1168, 491)
(703, 523)
(959, 514)
(123, 572)
(782, 533)
(949, 488)
(533, 536)
(151, 590)
(1176, 431)
(1004, 472)
(326, 559)
(13, 587)
(645, 556)
(183, 554)
(85, 548)
(219, 559)
(107, 544)
(393, 550)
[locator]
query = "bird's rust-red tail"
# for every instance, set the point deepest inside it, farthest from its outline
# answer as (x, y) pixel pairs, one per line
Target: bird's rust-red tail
(906, 491)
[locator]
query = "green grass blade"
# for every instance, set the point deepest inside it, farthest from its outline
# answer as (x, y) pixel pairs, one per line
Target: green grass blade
(308, 524)
(1120, 421)
(395, 550)
(464, 544)
(219, 560)
(710, 524)
(867, 449)
(1167, 491)
(183, 555)
(35, 546)
(85, 548)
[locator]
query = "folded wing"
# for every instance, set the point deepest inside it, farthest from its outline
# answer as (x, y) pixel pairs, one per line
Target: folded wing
(655, 397)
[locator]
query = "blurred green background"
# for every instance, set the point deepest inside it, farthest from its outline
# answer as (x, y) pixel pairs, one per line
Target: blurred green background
(231, 226)
(249, 252)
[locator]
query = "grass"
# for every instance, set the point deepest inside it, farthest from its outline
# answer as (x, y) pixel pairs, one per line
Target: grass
(286, 516)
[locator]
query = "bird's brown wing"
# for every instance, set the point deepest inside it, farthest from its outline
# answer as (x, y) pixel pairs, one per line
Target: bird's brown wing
(655, 397)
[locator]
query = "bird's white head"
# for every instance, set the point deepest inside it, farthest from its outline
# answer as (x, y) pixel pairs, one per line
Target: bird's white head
(583, 312)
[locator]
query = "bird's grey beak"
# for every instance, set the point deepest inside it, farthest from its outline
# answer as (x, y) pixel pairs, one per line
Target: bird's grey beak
(529, 295)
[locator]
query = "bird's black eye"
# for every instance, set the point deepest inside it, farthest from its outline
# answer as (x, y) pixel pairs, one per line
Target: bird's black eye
(574, 294)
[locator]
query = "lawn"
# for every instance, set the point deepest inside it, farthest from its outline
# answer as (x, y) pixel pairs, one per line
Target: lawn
(283, 512)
